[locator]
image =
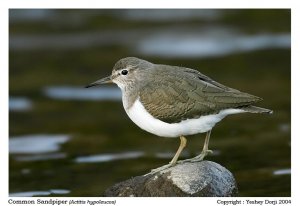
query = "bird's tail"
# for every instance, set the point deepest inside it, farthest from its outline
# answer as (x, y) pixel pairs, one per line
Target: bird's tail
(254, 109)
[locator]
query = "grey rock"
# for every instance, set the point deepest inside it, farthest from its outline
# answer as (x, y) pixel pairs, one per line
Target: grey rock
(197, 179)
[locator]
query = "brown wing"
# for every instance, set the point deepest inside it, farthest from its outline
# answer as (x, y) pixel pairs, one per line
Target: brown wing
(186, 93)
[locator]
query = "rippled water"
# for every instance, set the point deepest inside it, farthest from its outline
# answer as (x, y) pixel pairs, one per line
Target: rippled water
(32, 144)
(209, 43)
(79, 93)
(39, 193)
(37, 147)
(19, 104)
(282, 172)
(170, 42)
(109, 157)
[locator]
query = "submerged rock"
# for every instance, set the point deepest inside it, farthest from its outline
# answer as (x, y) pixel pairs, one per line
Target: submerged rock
(198, 179)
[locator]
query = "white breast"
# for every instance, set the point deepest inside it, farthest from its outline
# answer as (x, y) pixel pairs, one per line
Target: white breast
(139, 115)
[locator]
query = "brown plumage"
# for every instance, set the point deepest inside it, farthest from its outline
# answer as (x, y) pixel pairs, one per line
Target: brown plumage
(186, 93)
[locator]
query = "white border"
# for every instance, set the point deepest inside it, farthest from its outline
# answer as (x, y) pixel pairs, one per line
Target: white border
(4, 103)
(235, 4)
(295, 103)
(149, 4)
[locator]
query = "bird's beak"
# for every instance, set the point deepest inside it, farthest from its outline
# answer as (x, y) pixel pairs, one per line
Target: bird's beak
(100, 81)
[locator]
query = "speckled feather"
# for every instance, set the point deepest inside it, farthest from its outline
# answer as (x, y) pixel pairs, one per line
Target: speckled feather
(186, 93)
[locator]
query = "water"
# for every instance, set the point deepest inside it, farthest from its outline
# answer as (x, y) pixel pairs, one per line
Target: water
(37, 147)
(72, 41)
(282, 172)
(66, 140)
(39, 143)
(109, 157)
(164, 15)
(39, 193)
(28, 15)
(39, 157)
(167, 42)
(19, 104)
(209, 43)
(79, 93)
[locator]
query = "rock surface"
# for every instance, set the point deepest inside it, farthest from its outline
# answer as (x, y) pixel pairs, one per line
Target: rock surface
(197, 179)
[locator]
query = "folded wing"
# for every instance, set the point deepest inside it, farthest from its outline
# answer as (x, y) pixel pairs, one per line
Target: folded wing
(186, 93)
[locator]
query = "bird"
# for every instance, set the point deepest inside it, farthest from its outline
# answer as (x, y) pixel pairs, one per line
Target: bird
(175, 101)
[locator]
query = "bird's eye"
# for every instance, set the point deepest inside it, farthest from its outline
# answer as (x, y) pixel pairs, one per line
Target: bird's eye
(124, 72)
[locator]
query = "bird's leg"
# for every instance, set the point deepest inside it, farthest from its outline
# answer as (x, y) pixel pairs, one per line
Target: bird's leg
(204, 153)
(175, 158)
(181, 147)
(205, 150)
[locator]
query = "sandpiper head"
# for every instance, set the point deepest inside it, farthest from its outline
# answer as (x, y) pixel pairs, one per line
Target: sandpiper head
(125, 72)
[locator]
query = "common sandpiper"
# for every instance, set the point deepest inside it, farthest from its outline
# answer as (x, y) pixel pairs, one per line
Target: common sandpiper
(173, 101)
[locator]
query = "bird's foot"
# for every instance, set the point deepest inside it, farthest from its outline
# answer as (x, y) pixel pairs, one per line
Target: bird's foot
(159, 169)
(198, 158)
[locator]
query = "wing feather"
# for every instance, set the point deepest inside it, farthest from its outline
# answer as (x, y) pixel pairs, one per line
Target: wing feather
(186, 93)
